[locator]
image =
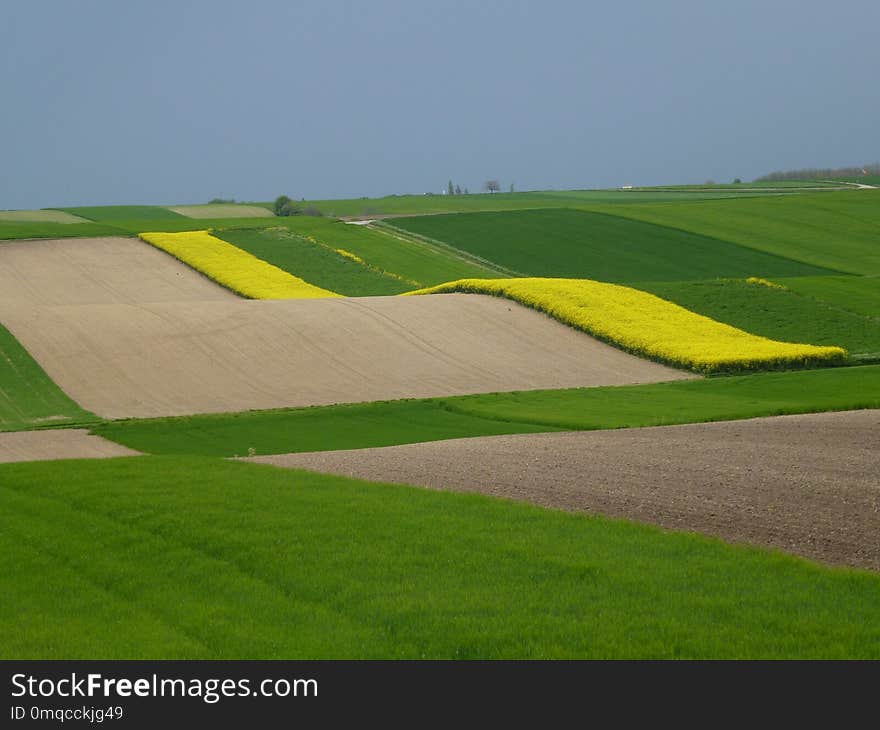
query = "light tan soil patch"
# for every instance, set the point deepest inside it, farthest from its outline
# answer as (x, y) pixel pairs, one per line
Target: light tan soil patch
(142, 360)
(40, 216)
(808, 485)
(73, 443)
(223, 211)
(96, 271)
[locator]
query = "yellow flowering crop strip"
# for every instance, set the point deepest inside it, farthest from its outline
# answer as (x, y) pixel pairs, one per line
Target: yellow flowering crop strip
(234, 268)
(646, 325)
(347, 254)
(758, 281)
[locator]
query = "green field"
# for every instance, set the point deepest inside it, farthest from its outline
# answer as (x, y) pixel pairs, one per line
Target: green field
(779, 314)
(859, 294)
(834, 230)
(323, 428)
(571, 243)
(413, 261)
(317, 264)
(113, 213)
(28, 397)
(399, 422)
(12, 230)
(193, 558)
(183, 554)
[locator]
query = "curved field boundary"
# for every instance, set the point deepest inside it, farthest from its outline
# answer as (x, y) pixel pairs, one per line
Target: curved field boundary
(111, 270)
(180, 358)
(234, 268)
(28, 397)
(648, 326)
(805, 484)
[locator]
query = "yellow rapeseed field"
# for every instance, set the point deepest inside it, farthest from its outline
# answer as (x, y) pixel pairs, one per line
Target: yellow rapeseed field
(646, 325)
(234, 268)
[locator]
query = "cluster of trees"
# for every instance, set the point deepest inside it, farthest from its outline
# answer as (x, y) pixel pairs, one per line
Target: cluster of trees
(818, 173)
(285, 206)
(493, 186)
(490, 186)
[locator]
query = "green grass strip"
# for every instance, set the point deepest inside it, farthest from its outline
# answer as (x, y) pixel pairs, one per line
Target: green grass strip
(127, 226)
(28, 397)
(690, 401)
(321, 428)
(399, 422)
(12, 230)
(192, 558)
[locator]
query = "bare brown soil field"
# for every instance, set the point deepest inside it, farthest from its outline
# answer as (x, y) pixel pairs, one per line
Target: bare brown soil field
(157, 359)
(807, 484)
(96, 271)
(73, 443)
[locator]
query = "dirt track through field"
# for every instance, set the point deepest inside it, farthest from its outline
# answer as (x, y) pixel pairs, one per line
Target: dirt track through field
(173, 358)
(808, 484)
(69, 443)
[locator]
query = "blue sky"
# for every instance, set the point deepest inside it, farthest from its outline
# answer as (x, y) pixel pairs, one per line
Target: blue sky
(108, 102)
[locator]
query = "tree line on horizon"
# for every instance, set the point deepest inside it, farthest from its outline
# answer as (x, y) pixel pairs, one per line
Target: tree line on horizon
(817, 173)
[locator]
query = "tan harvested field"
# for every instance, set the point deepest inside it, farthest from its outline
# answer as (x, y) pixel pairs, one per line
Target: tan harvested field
(75, 271)
(40, 216)
(71, 443)
(157, 359)
(128, 331)
(222, 211)
(808, 485)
